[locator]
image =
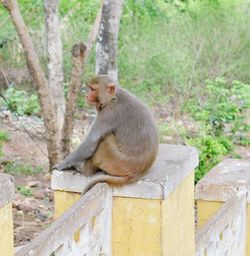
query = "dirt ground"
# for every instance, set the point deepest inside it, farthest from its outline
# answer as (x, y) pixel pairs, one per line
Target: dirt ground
(32, 213)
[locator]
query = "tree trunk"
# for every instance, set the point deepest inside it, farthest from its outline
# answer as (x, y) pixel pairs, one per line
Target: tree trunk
(107, 41)
(94, 31)
(55, 60)
(46, 100)
(78, 54)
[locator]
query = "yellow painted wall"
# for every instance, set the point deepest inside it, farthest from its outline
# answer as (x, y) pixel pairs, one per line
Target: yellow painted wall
(6, 231)
(205, 210)
(63, 200)
(178, 227)
(148, 227)
(155, 227)
(136, 228)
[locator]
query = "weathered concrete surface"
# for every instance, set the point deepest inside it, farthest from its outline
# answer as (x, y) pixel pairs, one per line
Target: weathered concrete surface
(6, 223)
(225, 232)
(224, 180)
(173, 164)
(7, 189)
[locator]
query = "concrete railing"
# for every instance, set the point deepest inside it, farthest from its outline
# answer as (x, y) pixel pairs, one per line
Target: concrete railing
(225, 233)
(154, 216)
(220, 188)
(6, 223)
(85, 229)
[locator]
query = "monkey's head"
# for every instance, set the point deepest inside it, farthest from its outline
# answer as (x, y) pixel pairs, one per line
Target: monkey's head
(101, 90)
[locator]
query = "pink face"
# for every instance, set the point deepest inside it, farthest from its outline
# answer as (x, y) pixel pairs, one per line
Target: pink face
(92, 95)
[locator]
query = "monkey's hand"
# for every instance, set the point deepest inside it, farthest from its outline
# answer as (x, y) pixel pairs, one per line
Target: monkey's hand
(57, 167)
(60, 167)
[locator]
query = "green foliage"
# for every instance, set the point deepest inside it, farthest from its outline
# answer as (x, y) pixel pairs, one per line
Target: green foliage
(24, 191)
(222, 115)
(20, 168)
(4, 136)
(177, 51)
(211, 151)
(222, 109)
(21, 102)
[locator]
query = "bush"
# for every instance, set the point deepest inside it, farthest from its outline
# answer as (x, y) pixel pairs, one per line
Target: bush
(211, 151)
(222, 108)
(223, 121)
(21, 102)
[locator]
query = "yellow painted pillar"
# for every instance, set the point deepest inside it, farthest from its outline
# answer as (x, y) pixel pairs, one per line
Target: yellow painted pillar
(154, 216)
(6, 223)
(224, 180)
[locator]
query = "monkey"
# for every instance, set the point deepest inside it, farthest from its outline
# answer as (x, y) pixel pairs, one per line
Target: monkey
(122, 142)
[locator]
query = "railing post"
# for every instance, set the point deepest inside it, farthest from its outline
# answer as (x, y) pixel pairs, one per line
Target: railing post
(154, 216)
(221, 183)
(7, 192)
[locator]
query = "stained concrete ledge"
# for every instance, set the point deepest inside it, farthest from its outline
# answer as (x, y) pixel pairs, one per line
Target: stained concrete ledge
(226, 178)
(7, 189)
(173, 164)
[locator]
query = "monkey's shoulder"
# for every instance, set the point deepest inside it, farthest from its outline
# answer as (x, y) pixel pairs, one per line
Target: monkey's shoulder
(127, 100)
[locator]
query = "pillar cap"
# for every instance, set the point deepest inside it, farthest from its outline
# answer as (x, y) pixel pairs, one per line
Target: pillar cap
(7, 189)
(173, 164)
(226, 178)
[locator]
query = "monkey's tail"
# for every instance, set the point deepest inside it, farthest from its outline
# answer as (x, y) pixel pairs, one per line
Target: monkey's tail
(115, 180)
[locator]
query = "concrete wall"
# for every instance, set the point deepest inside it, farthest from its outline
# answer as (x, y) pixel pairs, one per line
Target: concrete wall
(223, 182)
(225, 232)
(6, 223)
(154, 216)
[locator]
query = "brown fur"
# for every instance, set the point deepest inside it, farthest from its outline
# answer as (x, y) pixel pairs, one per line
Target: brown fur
(123, 140)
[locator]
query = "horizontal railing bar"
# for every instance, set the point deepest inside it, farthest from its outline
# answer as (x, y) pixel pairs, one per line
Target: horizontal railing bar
(228, 211)
(66, 225)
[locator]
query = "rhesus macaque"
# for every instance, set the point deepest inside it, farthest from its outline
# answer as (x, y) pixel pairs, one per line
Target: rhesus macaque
(122, 142)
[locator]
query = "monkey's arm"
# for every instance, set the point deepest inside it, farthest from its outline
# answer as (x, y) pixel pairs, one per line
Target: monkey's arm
(97, 132)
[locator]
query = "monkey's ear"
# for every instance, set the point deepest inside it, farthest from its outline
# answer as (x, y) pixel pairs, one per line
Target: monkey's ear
(111, 89)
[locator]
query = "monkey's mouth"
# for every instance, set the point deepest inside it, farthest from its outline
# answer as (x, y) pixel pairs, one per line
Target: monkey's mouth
(91, 103)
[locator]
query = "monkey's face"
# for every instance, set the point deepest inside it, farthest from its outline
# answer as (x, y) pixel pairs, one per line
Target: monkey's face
(92, 95)
(100, 95)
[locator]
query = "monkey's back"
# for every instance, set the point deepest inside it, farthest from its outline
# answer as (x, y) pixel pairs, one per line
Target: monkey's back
(135, 128)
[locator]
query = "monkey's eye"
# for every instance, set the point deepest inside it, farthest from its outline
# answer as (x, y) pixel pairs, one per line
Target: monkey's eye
(91, 89)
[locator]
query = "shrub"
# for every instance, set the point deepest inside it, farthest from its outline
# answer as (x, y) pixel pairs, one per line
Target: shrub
(21, 102)
(221, 114)
(211, 151)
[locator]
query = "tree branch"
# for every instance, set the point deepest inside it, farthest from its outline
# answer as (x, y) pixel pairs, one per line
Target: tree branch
(94, 31)
(45, 98)
(78, 57)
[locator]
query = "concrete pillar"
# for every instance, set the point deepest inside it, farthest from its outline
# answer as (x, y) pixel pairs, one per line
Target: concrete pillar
(223, 181)
(154, 216)
(7, 192)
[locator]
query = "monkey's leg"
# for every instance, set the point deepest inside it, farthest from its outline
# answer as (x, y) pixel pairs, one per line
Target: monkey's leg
(119, 168)
(88, 168)
(111, 160)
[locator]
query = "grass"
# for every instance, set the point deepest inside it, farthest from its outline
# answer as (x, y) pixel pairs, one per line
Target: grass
(4, 136)
(24, 191)
(20, 168)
